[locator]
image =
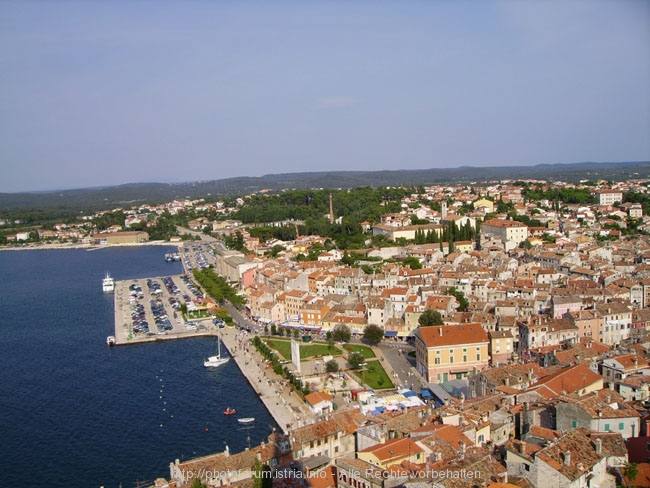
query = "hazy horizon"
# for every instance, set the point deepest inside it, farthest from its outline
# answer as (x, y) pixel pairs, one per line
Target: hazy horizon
(100, 94)
(181, 182)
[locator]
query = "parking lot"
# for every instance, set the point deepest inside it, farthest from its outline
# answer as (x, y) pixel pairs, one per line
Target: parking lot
(150, 308)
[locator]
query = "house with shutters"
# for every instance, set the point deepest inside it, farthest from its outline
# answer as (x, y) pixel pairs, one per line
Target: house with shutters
(446, 352)
(602, 411)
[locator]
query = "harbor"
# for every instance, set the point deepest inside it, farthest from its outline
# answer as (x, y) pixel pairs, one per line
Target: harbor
(151, 301)
(175, 327)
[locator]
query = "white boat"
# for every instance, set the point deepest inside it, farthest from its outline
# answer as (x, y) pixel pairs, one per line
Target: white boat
(108, 283)
(110, 340)
(218, 360)
(246, 420)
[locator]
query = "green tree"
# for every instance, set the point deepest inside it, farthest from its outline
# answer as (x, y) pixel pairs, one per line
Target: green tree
(463, 303)
(258, 480)
(347, 259)
(355, 360)
(341, 333)
(430, 317)
(198, 484)
(525, 244)
(331, 366)
(274, 251)
(631, 471)
(373, 333)
(413, 262)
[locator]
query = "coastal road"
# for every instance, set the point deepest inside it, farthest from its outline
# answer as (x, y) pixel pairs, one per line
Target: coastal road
(204, 237)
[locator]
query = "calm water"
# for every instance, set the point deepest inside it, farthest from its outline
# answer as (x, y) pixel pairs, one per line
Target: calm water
(74, 412)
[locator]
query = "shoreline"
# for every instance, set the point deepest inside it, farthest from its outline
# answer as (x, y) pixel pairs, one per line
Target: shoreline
(89, 247)
(283, 404)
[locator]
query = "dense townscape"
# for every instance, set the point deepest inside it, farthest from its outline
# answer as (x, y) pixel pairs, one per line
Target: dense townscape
(522, 306)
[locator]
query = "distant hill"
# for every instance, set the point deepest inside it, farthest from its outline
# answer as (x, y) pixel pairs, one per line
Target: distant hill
(90, 199)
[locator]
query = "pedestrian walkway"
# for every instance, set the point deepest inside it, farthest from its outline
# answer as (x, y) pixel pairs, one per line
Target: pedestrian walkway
(279, 397)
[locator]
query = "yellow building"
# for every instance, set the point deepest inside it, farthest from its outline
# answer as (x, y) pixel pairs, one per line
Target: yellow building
(464, 246)
(485, 205)
(447, 352)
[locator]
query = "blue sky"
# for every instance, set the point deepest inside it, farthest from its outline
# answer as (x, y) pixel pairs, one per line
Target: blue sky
(104, 93)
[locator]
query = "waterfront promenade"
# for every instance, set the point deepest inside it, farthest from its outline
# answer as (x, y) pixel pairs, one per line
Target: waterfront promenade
(284, 405)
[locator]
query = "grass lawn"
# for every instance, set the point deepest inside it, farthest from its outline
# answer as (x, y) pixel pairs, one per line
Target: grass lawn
(307, 350)
(375, 376)
(197, 314)
(365, 350)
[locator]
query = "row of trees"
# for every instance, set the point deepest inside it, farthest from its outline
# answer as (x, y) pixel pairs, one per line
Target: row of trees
(216, 286)
(271, 356)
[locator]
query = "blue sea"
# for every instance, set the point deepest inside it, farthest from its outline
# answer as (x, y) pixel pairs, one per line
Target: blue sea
(76, 413)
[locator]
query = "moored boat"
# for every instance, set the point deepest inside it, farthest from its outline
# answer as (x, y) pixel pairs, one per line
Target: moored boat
(218, 360)
(108, 283)
(246, 420)
(229, 411)
(110, 340)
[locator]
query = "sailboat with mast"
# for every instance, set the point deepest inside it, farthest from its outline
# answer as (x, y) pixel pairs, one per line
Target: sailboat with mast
(218, 360)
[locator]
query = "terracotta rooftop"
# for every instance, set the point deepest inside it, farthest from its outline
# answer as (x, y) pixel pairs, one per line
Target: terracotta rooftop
(581, 452)
(451, 335)
(568, 380)
(394, 449)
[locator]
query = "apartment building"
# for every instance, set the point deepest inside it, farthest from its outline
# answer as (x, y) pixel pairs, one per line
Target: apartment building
(448, 352)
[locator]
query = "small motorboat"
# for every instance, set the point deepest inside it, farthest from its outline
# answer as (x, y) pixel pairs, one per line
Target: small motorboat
(246, 420)
(229, 411)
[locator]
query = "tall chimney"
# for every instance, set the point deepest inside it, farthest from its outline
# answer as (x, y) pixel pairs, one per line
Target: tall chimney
(599, 446)
(567, 458)
(331, 210)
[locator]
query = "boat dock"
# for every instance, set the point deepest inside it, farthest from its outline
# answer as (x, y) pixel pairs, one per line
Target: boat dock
(284, 405)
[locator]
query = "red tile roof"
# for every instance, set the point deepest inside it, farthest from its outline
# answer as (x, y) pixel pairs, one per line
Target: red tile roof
(451, 335)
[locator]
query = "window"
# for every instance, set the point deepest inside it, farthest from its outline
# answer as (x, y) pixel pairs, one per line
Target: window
(451, 351)
(464, 349)
(574, 424)
(464, 358)
(437, 361)
(478, 357)
(621, 426)
(606, 427)
(451, 359)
